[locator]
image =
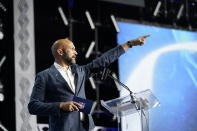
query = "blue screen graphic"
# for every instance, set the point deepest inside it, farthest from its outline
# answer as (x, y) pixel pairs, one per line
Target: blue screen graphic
(166, 64)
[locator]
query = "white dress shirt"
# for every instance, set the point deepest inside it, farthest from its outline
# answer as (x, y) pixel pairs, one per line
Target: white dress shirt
(67, 75)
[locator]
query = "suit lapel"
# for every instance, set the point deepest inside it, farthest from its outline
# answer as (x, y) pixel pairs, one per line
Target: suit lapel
(59, 77)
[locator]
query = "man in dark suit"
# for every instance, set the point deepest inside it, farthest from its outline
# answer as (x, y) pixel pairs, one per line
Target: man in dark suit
(56, 86)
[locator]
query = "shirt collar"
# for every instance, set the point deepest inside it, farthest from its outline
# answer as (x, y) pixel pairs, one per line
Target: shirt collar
(59, 67)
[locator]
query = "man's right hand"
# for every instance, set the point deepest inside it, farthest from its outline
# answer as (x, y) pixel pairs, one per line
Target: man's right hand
(138, 41)
(70, 106)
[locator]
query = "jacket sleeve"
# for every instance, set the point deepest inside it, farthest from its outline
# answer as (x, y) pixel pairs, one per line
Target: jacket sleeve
(103, 61)
(37, 105)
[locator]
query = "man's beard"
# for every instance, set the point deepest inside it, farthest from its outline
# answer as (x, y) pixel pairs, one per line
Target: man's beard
(69, 60)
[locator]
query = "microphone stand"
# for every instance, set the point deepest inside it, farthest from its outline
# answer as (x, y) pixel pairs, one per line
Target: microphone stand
(138, 105)
(106, 73)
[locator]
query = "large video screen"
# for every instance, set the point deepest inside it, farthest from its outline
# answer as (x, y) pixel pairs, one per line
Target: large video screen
(166, 64)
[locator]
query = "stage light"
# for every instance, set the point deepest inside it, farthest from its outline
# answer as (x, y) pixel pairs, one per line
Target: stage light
(1, 35)
(1, 85)
(157, 8)
(2, 61)
(63, 16)
(2, 7)
(1, 30)
(180, 12)
(2, 127)
(90, 49)
(116, 83)
(115, 23)
(90, 20)
(1, 92)
(92, 82)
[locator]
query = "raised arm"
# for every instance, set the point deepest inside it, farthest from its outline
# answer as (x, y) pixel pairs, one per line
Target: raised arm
(110, 56)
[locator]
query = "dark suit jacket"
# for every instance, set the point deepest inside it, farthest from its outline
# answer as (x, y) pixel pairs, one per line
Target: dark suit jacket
(50, 89)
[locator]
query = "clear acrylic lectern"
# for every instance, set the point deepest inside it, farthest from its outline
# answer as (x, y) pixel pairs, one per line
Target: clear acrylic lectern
(123, 106)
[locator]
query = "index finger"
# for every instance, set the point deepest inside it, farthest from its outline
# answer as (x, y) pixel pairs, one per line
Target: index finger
(145, 36)
(77, 104)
